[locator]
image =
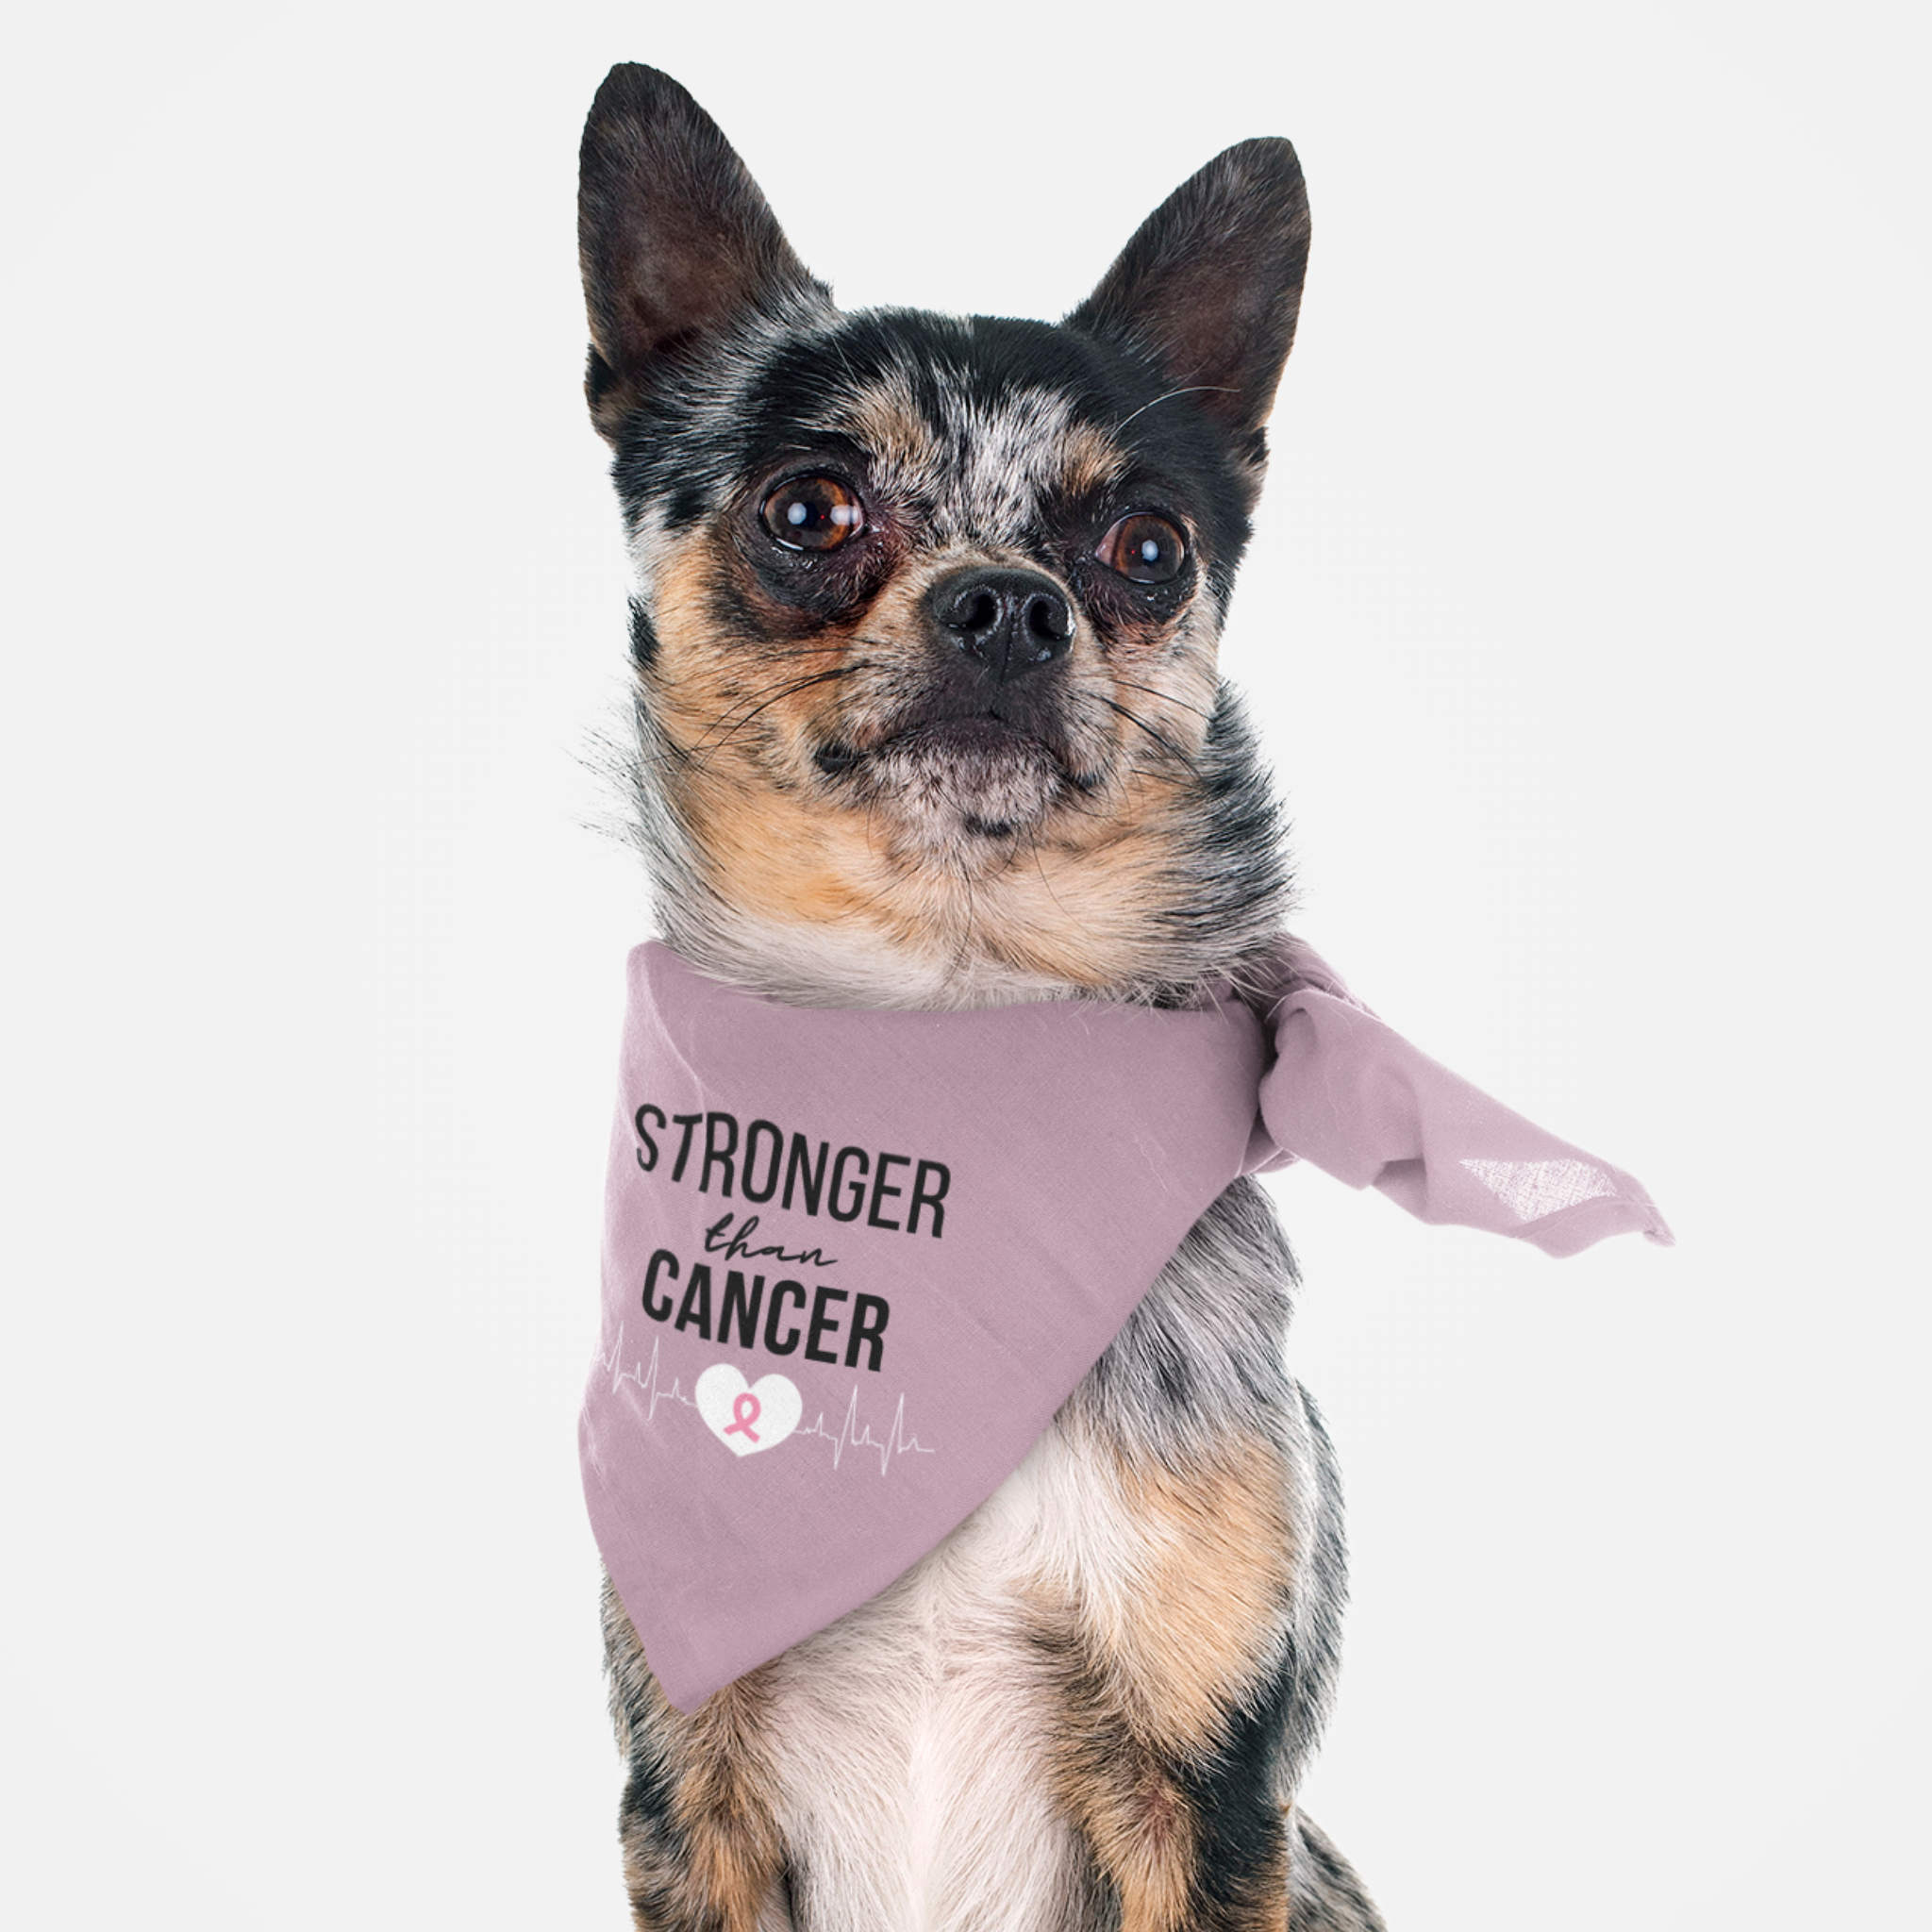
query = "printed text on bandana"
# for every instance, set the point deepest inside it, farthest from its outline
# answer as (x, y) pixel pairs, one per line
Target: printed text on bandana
(858, 1180)
(774, 1313)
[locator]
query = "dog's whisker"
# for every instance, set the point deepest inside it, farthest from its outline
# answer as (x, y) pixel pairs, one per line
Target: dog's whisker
(732, 724)
(1160, 738)
(1165, 697)
(1193, 390)
(1040, 866)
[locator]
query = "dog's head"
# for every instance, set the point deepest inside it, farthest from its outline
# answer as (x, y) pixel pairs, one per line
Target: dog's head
(928, 607)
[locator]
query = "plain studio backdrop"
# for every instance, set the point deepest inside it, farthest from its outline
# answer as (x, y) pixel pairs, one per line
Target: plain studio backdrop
(1585, 632)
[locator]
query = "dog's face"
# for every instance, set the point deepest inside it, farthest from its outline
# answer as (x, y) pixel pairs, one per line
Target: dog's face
(928, 606)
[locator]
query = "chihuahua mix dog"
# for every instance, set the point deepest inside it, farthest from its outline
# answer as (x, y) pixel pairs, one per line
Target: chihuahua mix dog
(927, 716)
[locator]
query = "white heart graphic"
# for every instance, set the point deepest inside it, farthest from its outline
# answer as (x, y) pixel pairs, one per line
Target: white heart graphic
(748, 1416)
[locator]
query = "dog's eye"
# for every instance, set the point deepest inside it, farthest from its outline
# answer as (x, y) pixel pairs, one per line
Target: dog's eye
(813, 513)
(1145, 549)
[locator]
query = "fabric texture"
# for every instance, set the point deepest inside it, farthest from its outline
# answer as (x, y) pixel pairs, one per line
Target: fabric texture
(853, 1261)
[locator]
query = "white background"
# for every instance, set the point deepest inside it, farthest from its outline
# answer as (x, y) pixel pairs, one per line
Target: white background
(1585, 625)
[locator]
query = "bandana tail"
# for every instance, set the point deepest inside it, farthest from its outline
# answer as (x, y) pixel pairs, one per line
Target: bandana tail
(1350, 1094)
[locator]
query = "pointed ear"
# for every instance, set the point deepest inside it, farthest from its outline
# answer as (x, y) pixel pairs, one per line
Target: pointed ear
(676, 242)
(1211, 284)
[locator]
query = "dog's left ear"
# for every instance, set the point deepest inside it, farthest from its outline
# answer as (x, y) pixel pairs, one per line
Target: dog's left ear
(1211, 284)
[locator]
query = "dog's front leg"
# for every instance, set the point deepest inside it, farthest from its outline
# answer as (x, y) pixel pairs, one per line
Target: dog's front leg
(1173, 1694)
(701, 1850)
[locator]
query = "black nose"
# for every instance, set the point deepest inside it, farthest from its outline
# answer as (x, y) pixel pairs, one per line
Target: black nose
(1011, 621)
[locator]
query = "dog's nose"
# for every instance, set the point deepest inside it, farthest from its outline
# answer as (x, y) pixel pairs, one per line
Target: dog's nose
(1011, 621)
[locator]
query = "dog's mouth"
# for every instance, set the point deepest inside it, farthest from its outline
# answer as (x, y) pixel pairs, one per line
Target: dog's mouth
(975, 736)
(980, 735)
(945, 771)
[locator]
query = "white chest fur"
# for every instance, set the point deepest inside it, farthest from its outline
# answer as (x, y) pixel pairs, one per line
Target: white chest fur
(910, 1737)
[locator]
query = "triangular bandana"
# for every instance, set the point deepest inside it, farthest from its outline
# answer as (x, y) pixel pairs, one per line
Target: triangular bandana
(854, 1260)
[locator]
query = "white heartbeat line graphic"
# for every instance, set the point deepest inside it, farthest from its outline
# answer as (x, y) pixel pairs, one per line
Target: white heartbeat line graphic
(849, 1433)
(897, 1441)
(646, 1379)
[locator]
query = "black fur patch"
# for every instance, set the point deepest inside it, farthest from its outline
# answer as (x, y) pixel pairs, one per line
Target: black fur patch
(1239, 1850)
(692, 451)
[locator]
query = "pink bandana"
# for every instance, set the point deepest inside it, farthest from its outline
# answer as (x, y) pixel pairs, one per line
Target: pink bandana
(853, 1261)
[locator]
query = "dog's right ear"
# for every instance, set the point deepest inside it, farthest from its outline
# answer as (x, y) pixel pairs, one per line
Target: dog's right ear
(676, 242)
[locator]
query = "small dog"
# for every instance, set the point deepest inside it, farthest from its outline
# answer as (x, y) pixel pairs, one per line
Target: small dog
(928, 716)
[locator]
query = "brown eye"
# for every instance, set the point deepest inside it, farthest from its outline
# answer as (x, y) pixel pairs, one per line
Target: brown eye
(813, 513)
(1145, 549)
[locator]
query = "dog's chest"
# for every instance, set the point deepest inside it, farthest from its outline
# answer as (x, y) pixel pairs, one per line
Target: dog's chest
(912, 1740)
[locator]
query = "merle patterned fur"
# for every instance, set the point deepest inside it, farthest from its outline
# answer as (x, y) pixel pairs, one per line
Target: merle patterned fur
(1100, 826)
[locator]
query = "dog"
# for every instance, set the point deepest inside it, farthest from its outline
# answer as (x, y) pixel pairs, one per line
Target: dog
(927, 716)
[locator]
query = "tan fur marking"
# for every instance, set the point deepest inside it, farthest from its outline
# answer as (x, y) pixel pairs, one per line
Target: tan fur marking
(1064, 901)
(884, 419)
(733, 1850)
(1142, 1836)
(1220, 1563)
(1073, 908)
(784, 859)
(1156, 1663)
(1090, 460)
(1069, 910)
